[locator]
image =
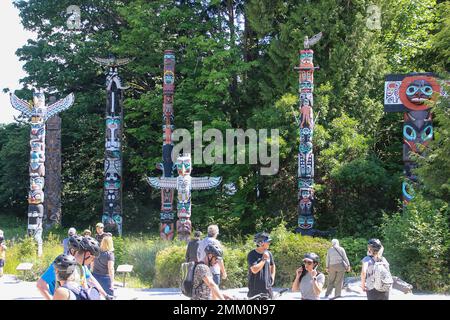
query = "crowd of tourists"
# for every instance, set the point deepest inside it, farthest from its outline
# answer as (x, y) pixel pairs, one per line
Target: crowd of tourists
(85, 269)
(207, 254)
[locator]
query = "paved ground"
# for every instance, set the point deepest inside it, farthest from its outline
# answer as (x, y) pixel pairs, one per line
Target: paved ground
(13, 289)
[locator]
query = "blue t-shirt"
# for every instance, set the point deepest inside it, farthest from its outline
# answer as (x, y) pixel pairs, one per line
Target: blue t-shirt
(49, 276)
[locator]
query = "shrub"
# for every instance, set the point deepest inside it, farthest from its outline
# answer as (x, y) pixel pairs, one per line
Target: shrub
(356, 249)
(25, 251)
(168, 263)
(417, 244)
(235, 260)
(141, 253)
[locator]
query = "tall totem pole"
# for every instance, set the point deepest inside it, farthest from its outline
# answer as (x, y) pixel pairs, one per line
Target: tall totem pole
(52, 193)
(408, 93)
(306, 128)
(112, 190)
(166, 229)
(184, 183)
(38, 113)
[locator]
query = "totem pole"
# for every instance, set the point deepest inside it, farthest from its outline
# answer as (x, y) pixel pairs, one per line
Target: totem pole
(38, 113)
(52, 192)
(166, 229)
(112, 191)
(306, 129)
(184, 183)
(408, 93)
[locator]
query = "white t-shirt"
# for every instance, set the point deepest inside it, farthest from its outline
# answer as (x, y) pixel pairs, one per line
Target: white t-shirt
(201, 254)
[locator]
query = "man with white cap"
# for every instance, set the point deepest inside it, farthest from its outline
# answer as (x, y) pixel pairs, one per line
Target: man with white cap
(100, 232)
(336, 265)
(72, 231)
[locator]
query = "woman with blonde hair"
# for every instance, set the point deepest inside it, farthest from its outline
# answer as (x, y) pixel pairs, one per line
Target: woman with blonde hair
(103, 265)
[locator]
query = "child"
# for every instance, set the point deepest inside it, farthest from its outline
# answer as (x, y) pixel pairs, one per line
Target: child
(2, 253)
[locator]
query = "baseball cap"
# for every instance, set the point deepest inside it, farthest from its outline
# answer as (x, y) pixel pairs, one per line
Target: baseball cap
(99, 225)
(72, 232)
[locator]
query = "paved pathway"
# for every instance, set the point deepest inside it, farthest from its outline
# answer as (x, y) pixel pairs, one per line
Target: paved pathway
(13, 289)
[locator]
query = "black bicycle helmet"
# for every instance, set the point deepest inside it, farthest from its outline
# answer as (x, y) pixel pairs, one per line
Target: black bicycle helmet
(89, 244)
(312, 256)
(375, 244)
(75, 242)
(215, 250)
(262, 237)
(65, 263)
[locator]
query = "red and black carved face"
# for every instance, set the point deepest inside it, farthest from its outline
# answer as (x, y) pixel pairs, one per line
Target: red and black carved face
(419, 91)
(414, 91)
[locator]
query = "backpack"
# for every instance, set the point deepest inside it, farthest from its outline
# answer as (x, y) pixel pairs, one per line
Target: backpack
(382, 277)
(82, 293)
(187, 278)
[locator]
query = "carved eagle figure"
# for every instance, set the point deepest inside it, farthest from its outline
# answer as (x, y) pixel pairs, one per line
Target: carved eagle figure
(111, 62)
(310, 41)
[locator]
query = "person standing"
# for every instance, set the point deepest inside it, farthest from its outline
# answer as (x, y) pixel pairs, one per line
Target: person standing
(99, 232)
(307, 279)
(203, 285)
(103, 265)
(374, 254)
(261, 273)
(336, 265)
(192, 247)
(72, 231)
(87, 232)
(217, 269)
(2, 252)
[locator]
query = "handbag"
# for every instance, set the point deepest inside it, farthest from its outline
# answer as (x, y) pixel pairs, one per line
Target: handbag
(346, 266)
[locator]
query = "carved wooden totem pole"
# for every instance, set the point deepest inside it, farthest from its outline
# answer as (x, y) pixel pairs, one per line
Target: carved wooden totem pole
(112, 189)
(166, 229)
(38, 113)
(52, 192)
(184, 183)
(408, 93)
(306, 128)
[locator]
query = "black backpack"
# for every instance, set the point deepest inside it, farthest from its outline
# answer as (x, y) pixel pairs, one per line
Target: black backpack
(187, 277)
(83, 293)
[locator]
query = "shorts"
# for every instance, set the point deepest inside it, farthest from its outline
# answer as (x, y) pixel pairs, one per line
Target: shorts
(2, 263)
(216, 278)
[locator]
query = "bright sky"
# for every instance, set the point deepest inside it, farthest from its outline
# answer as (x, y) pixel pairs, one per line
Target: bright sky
(12, 36)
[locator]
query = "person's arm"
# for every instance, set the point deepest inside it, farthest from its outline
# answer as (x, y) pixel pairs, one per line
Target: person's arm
(222, 269)
(255, 268)
(42, 286)
(327, 261)
(61, 294)
(296, 283)
(272, 272)
(111, 271)
(217, 295)
(363, 275)
(317, 286)
(349, 267)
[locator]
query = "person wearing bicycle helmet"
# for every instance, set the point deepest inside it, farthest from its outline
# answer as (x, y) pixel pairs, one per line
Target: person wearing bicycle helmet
(307, 279)
(83, 251)
(374, 254)
(261, 267)
(204, 287)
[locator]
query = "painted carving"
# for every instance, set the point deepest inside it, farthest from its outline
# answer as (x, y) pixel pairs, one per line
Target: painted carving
(38, 113)
(412, 94)
(184, 183)
(112, 188)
